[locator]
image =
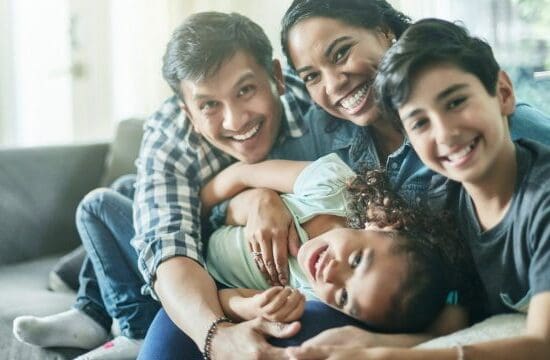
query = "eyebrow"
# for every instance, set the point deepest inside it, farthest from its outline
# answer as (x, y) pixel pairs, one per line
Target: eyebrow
(441, 96)
(327, 52)
(243, 78)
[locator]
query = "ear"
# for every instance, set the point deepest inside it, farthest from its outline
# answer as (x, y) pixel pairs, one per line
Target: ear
(185, 109)
(278, 77)
(505, 93)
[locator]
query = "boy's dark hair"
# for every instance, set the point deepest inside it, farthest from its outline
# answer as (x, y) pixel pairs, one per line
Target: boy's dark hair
(205, 40)
(437, 257)
(427, 43)
(370, 14)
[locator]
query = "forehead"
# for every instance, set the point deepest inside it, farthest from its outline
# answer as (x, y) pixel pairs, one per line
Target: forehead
(432, 80)
(316, 33)
(239, 67)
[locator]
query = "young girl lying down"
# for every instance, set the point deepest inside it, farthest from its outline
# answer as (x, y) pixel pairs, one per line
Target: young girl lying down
(387, 264)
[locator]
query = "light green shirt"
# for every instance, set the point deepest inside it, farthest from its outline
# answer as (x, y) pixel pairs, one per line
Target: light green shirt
(319, 189)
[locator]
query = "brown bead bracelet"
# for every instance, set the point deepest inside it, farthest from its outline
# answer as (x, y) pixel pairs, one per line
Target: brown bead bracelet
(210, 335)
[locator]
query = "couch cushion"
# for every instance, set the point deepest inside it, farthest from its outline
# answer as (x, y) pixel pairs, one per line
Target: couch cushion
(23, 291)
(124, 150)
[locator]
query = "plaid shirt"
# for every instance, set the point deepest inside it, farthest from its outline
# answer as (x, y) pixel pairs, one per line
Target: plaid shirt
(173, 164)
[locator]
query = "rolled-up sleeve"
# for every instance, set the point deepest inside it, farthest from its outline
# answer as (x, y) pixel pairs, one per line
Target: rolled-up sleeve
(166, 203)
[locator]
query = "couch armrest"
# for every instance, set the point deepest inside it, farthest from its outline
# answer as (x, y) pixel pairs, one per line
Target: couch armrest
(40, 189)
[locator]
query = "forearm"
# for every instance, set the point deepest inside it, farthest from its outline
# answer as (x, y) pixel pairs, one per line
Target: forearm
(234, 304)
(241, 205)
(516, 348)
(189, 296)
(278, 175)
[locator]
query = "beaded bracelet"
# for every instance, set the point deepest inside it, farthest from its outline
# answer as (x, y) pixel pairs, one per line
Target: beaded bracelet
(210, 334)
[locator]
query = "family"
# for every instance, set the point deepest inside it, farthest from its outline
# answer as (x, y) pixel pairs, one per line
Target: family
(382, 189)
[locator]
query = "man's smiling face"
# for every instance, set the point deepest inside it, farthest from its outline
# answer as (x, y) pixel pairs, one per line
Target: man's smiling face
(237, 109)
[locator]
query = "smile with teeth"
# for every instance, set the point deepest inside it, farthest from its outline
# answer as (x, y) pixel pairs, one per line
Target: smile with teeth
(355, 99)
(457, 156)
(247, 135)
(319, 265)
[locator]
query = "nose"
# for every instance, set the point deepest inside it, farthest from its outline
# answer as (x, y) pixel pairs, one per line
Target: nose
(445, 131)
(335, 82)
(331, 274)
(234, 118)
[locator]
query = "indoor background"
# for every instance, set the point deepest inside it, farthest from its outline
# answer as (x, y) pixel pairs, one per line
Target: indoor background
(71, 69)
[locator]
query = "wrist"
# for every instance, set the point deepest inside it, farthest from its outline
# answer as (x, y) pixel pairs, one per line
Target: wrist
(212, 330)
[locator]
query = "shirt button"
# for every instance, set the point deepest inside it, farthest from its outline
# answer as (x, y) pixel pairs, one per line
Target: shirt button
(394, 165)
(418, 200)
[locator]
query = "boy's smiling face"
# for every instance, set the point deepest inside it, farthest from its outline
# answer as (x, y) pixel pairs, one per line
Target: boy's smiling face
(457, 128)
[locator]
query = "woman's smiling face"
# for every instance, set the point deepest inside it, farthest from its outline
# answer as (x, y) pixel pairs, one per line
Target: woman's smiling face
(355, 271)
(338, 63)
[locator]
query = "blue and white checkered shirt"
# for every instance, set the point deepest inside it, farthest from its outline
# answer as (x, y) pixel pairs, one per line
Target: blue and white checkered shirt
(174, 163)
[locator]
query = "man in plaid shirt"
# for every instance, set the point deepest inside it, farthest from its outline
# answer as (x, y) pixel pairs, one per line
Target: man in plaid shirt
(228, 107)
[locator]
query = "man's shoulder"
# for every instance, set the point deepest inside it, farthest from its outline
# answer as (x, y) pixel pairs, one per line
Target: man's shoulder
(169, 123)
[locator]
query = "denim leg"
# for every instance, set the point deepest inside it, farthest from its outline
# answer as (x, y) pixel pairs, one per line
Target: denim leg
(317, 318)
(125, 185)
(104, 221)
(165, 341)
(88, 298)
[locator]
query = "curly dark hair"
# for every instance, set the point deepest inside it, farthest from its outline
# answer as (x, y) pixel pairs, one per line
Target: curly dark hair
(438, 258)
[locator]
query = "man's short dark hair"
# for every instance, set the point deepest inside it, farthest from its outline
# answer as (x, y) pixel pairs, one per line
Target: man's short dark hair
(205, 40)
(427, 43)
(369, 14)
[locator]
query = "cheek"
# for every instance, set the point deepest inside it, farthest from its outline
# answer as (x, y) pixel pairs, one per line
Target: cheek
(422, 146)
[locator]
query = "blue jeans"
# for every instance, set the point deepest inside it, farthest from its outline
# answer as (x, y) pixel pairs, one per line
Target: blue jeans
(165, 341)
(110, 283)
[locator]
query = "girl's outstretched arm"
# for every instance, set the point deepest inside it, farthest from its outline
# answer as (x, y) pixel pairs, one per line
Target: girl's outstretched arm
(278, 175)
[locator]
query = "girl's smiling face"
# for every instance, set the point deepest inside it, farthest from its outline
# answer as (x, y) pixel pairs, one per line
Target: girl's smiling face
(355, 271)
(338, 63)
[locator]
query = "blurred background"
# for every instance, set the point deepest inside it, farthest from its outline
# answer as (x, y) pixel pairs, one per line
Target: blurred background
(71, 69)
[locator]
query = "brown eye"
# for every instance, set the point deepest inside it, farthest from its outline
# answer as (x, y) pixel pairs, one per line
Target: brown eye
(356, 260)
(343, 298)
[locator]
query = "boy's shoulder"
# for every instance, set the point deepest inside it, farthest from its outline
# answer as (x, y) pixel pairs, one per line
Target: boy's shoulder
(534, 153)
(533, 159)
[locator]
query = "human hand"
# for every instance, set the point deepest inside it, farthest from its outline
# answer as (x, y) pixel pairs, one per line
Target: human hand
(335, 353)
(279, 303)
(349, 336)
(270, 232)
(247, 340)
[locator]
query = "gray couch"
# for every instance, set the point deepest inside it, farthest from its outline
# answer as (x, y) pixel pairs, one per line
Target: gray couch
(40, 189)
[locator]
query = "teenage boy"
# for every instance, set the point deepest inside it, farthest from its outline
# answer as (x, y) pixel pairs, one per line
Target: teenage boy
(450, 97)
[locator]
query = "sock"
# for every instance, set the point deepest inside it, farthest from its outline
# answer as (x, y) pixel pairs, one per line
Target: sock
(72, 328)
(120, 348)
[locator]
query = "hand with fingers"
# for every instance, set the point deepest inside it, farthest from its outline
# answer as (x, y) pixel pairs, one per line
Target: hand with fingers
(279, 303)
(271, 236)
(247, 340)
